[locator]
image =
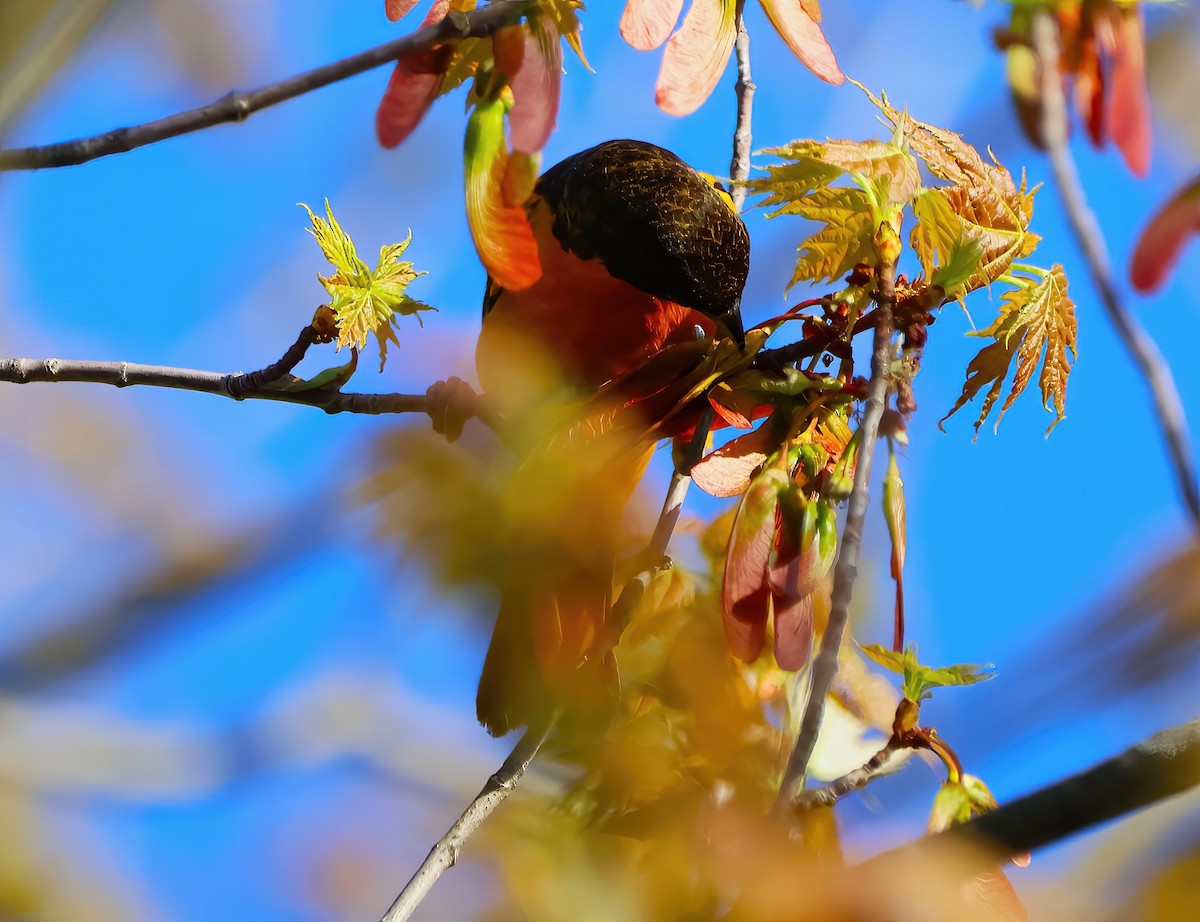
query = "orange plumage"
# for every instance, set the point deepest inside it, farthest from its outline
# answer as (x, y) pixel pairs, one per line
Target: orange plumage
(638, 251)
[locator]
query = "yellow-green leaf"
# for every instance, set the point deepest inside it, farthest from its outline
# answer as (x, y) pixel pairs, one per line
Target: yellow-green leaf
(1036, 322)
(364, 301)
(846, 239)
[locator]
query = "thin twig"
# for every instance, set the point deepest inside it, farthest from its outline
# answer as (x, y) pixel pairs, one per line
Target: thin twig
(444, 854)
(879, 764)
(1166, 764)
(236, 107)
(1090, 238)
(739, 167)
(127, 374)
(846, 570)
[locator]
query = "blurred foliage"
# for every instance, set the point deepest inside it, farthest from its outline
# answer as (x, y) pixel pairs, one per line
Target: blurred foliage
(658, 813)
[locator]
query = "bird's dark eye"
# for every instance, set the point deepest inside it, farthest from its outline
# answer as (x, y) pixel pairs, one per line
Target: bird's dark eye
(720, 186)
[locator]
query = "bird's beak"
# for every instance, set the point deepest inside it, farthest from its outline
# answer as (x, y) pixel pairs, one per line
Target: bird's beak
(731, 321)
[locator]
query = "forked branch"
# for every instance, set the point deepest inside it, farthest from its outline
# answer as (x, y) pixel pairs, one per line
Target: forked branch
(237, 107)
(235, 385)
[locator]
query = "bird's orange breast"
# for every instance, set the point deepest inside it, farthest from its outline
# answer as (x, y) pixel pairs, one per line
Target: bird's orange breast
(576, 326)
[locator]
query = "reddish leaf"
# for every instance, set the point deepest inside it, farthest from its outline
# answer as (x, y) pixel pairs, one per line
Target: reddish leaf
(728, 470)
(804, 36)
(793, 632)
(405, 101)
(744, 594)
(398, 9)
(645, 24)
(1162, 241)
(1129, 104)
(414, 83)
(696, 56)
(536, 86)
(722, 402)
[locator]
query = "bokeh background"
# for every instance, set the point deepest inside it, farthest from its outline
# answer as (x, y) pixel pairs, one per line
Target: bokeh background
(221, 696)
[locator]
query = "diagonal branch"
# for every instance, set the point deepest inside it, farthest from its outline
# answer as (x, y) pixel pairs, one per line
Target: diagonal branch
(882, 763)
(236, 107)
(1166, 764)
(1090, 238)
(846, 570)
(236, 386)
(444, 853)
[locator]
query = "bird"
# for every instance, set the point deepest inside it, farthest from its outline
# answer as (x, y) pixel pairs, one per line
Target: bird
(638, 252)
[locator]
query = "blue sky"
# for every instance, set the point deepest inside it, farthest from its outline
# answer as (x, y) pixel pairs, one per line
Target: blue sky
(193, 253)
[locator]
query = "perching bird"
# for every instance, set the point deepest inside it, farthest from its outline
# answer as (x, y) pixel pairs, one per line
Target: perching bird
(638, 251)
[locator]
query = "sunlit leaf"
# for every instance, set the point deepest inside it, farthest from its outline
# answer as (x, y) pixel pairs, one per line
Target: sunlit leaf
(802, 31)
(364, 300)
(801, 186)
(728, 470)
(645, 24)
(918, 680)
(536, 81)
(696, 56)
(982, 202)
(1036, 322)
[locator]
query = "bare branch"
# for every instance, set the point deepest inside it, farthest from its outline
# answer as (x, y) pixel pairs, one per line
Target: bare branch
(882, 763)
(236, 386)
(1090, 238)
(236, 107)
(444, 854)
(739, 167)
(846, 570)
(1166, 764)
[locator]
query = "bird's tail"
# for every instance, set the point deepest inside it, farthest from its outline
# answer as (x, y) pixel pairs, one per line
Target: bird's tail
(552, 645)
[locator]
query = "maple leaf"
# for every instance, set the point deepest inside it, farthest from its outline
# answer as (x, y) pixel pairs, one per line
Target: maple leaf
(917, 679)
(1036, 316)
(982, 205)
(884, 174)
(365, 300)
(698, 51)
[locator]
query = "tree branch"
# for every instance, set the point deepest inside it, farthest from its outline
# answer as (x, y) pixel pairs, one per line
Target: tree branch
(1166, 764)
(1090, 238)
(444, 854)
(739, 167)
(236, 386)
(236, 107)
(879, 764)
(846, 570)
